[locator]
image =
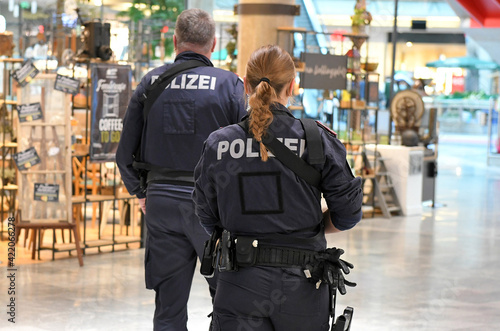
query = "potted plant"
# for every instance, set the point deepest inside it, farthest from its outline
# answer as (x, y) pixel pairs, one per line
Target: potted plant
(231, 46)
(361, 17)
(156, 15)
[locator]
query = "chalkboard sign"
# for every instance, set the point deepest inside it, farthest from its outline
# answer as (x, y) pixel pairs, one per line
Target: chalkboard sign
(67, 84)
(46, 192)
(111, 90)
(25, 74)
(30, 112)
(324, 72)
(26, 159)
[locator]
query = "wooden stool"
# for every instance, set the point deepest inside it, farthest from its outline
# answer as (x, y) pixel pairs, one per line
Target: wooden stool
(42, 226)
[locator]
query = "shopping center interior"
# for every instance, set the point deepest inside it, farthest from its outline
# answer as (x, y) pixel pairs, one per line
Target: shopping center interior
(424, 252)
(435, 271)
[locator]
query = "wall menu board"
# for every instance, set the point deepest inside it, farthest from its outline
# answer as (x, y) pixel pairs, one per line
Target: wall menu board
(111, 91)
(30, 112)
(67, 84)
(26, 159)
(25, 74)
(324, 72)
(46, 192)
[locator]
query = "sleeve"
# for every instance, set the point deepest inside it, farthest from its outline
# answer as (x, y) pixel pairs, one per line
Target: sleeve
(204, 194)
(238, 101)
(342, 191)
(130, 141)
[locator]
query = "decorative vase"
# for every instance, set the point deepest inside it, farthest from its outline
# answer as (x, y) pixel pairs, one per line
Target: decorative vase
(358, 36)
(359, 29)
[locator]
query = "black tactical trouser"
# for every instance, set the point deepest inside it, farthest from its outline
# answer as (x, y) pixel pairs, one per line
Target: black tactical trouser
(175, 239)
(269, 299)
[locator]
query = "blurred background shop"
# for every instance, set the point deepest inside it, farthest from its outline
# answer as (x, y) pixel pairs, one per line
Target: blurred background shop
(410, 87)
(442, 66)
(429, 34)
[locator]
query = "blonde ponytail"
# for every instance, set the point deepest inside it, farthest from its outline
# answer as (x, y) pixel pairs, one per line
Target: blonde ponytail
(260, 115)
(269, 70)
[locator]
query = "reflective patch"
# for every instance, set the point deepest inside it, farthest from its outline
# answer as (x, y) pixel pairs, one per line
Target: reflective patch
(239, 148)
(192, 82)
(260, 193)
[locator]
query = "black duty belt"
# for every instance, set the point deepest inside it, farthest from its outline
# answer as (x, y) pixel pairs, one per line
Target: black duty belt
(250, 252)
(156, 174)
(174, 177)
(283, 256)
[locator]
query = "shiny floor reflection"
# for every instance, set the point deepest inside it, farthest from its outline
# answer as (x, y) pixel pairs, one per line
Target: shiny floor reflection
(434, 272)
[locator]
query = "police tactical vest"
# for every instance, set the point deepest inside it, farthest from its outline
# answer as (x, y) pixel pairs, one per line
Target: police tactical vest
(291, 160)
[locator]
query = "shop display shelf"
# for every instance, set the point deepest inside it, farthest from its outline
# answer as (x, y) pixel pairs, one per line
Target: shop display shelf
(8, 144)
(98, 243)
(59, 247)
(126, 239)
(8, 102)
(35, 124)
(8, 187)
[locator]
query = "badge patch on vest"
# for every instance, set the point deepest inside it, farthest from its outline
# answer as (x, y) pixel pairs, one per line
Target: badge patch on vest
(260, 193)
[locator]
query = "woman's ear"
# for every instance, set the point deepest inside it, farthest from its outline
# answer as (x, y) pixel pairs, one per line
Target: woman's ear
(290, 88)
(245, 84)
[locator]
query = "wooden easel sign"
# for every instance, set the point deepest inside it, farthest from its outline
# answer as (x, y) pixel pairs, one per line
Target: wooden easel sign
(46, 192)
(26, 159)
(67, 84)
(30, 112)
(25, 74)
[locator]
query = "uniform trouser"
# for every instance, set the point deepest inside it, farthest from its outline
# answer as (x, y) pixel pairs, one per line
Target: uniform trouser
(175, 239)
(269, 299)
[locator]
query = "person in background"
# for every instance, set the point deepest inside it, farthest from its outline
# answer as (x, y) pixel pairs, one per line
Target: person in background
(163, 150)
(273, 215)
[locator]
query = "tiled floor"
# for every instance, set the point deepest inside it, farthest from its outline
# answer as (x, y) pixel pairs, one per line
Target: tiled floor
(435, 272)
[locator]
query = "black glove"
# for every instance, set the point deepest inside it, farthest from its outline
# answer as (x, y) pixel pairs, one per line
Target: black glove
(328, 267)
(333, 256)
(340, 282)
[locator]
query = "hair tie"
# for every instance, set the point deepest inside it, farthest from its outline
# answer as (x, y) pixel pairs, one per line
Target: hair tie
(265, 79)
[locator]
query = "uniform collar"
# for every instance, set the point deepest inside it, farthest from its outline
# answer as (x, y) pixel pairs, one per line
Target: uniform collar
(278, 109)
(188, 55)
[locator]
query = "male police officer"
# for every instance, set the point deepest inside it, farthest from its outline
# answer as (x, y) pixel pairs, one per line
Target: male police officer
(168, 141)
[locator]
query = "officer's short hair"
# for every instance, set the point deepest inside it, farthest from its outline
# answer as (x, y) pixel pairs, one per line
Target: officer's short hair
(195, 27)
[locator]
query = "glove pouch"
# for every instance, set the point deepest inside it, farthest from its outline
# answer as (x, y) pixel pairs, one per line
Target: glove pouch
(246, 252)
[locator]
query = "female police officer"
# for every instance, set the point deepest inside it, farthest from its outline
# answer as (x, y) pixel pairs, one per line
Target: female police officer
(274, 216)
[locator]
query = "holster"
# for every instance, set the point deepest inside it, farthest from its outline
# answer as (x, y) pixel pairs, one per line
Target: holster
(142, 170)
(143, 181)
(210, 252)
(343, 322)
(246, 251)
(227, 253)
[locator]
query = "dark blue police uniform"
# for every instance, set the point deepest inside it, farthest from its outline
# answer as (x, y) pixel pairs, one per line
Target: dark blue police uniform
(261, 199)
(197, 102)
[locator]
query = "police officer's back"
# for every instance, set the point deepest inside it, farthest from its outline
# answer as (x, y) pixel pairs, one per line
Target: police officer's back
(160, 147)
(274, 215)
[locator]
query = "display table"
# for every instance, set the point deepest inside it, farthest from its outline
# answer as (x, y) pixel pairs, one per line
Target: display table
(405, 165)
